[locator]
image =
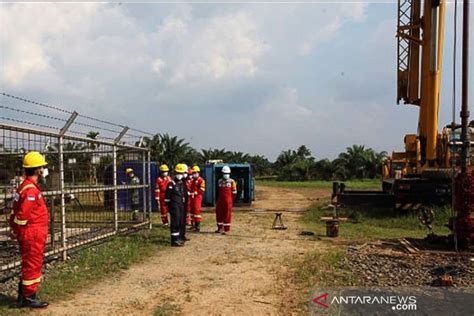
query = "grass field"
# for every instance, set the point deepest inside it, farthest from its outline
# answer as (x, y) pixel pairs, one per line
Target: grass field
(365, 184)
(326, 266)
(372, 224)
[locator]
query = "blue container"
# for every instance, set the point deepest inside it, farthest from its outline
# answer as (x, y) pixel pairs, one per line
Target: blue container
(124, 202)
(241, 173)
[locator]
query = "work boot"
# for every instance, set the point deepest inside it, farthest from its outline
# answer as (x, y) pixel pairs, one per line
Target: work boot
(176, 241)
(19, 298)
(32, 302)
(197, 227)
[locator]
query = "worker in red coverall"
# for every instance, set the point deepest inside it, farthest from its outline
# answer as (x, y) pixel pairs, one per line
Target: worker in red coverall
(189, 187)
(227, 193)
(198, 189)
(160, 190)
(29, 225)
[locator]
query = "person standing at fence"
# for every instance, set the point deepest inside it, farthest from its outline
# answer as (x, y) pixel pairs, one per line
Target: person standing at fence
(29, 225)
(132, 179)
(198, 188)
(175, 197)
(227, 192)
(161, 184)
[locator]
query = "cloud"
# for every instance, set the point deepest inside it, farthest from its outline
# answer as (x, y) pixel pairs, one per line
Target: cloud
(331, 23)
(284, 106)
(216, 48)
(267, 75)
(24, 51)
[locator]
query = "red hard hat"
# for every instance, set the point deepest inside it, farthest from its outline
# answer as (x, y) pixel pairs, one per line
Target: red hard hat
(190, 170)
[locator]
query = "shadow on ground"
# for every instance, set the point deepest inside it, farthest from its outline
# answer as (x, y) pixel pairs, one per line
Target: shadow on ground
(7, 301)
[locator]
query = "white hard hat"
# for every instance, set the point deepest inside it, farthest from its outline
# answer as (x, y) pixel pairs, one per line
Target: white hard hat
(225, 169)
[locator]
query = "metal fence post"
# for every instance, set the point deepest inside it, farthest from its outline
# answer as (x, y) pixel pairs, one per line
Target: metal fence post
(114, 154)
(150, 192)
(63, 203)
(62, 132)
(144, 181)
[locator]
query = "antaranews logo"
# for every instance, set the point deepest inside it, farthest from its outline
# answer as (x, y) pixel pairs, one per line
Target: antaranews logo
(396, 302)
(321, 300)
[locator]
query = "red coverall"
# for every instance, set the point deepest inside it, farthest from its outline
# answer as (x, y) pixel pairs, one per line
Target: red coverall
(29, 222)
(189, 189)
(198, 189)
(227, 192)
(161, 184)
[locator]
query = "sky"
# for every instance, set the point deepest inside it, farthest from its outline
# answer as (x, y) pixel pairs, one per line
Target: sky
(252, 77)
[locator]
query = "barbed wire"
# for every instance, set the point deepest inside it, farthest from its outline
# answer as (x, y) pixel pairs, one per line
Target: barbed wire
(57, 119)
(36, 103)
(140, 131)
(95, 127)
(101, 121)
(32, 113)
(132, 136)
(28, 123)
(71, 112)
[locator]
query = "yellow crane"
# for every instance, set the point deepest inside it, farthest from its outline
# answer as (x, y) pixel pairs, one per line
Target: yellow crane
(422, 173)
(432, 163)
(420, 36)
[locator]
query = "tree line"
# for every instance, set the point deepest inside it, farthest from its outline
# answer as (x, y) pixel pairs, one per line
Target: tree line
(357, 162)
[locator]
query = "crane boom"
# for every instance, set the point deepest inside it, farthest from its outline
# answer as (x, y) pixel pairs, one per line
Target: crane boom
(419, 80)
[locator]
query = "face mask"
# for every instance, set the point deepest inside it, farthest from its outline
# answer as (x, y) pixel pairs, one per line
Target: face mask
(165, 174)
(45, 173)
(185, 175)
(179, 176)
(196, 175)
(226, 176)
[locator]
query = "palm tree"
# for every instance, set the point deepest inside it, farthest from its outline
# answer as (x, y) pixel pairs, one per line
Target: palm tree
(93, 135)
(358, 162)
(261, 165)
(286, 158)
(237, 157)
(323, 169)
(155, 145)
(213, 154)
(373, 162)
(174, 149)
(352, 161)
(302, 169)
(303, 152)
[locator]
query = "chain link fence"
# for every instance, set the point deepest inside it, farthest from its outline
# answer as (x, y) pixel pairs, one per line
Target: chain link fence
(89, 194)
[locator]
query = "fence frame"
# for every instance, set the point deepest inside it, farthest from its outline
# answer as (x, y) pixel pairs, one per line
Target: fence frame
(116, 146)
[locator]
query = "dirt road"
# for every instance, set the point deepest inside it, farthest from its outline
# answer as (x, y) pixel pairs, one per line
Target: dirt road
(212, 274)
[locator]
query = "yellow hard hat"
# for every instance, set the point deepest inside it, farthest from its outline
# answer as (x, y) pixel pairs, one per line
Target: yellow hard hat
(164, 168)
(128, 170)
(34, 159)
(196, 169)
(180, 168)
